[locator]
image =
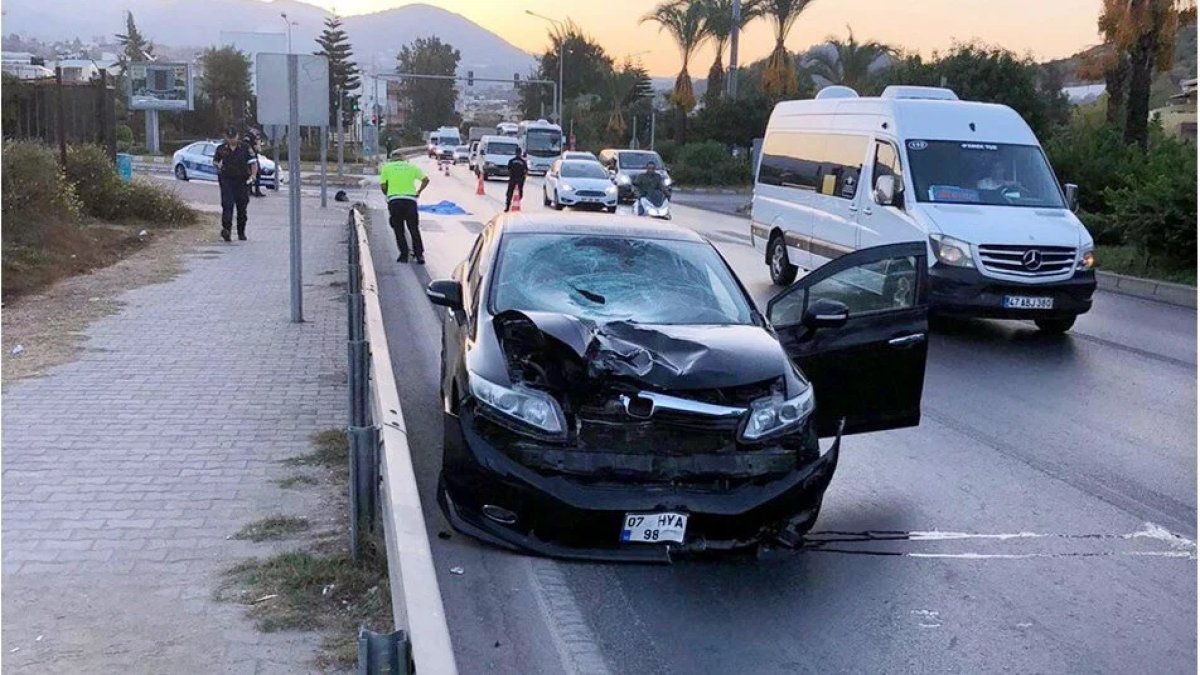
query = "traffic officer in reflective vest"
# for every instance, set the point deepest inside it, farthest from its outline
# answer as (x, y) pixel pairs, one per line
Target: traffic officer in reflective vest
(403, 183)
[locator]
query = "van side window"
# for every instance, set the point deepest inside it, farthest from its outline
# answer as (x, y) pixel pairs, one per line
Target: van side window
(790, 160)
(887, 163)
(826, 163)
(842, 165)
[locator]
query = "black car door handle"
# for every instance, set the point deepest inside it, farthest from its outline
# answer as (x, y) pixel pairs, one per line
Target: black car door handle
(907, 340)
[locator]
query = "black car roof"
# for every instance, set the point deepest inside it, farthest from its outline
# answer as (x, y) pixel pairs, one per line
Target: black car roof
(594, 224)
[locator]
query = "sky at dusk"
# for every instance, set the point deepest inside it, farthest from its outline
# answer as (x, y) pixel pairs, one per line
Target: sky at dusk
(1044, 28)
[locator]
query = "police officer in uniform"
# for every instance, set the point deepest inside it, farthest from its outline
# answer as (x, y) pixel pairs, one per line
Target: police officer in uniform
(517, 169)
(399, 181)
(236, 166)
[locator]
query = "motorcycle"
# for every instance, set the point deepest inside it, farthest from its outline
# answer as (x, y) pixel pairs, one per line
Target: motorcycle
(655, 205)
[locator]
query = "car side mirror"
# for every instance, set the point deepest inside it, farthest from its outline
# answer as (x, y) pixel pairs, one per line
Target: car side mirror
(885, 190)
(445, 292)
(825, 313)
(1072, 192)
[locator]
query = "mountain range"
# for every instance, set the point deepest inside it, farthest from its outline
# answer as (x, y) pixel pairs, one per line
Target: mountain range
(376, 38)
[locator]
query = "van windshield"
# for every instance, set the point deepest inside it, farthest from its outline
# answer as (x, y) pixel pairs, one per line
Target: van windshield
(997, 174)
(507, 149)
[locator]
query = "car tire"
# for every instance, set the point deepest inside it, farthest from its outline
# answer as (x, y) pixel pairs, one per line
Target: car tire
(545, 199)
(783, 272)
(610, 209)
(181, 172)
(558, 206)
(1055, 326)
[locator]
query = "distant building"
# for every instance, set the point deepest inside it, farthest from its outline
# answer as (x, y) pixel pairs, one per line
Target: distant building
(1081, 94)
(1178, 117)
(23, 65)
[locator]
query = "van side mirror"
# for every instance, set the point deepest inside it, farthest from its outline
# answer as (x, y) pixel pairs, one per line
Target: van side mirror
(825, 313)
(445, 292)
(1072, 193)
(885, 190)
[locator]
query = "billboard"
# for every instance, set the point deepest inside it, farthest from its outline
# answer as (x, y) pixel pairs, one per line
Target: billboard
(312, 82)
(159, 86)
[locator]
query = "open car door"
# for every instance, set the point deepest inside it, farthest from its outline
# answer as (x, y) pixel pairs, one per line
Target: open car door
(858, 328)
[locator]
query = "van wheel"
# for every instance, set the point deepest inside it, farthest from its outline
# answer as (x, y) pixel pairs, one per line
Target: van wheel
(1055, 326)
(783, 273)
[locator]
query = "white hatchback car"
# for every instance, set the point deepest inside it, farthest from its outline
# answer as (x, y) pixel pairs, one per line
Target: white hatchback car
(195, 162)
(579, 183)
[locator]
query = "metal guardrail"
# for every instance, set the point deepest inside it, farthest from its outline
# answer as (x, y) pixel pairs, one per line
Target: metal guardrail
(383, 485)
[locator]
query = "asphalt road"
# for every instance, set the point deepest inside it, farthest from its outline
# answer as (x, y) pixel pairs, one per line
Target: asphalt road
(1040, 519)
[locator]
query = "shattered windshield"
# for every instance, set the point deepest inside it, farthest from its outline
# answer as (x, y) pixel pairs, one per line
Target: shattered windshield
(615, 278)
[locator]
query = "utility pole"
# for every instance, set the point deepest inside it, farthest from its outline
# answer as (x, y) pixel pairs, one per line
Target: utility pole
(733, 48)
(341, 133)
(60, 115)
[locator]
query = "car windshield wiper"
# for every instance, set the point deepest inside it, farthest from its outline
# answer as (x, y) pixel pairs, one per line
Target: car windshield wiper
(594, 297)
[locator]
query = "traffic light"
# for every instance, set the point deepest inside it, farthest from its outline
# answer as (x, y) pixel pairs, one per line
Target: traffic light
(354, 104)
(470, 78)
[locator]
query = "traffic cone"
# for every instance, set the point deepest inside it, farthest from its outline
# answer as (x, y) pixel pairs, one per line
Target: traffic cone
(479, 186)
(516, 203)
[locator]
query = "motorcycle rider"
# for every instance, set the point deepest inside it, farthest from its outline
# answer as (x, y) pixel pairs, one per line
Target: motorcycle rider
(650, 185)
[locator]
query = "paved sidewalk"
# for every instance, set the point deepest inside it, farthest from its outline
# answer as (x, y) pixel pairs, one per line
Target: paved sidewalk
(125, 471)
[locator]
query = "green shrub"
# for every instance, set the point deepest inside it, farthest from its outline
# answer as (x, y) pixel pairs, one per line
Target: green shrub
(96, 181)
(1156, 206)
(35, 192)
(708, 163)
(147, 201)
(668, 150)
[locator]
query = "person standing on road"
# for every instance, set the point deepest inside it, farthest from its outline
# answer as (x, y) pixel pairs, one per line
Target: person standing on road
(398, 179)
(252, 140)
(517, 169)
(236, 166)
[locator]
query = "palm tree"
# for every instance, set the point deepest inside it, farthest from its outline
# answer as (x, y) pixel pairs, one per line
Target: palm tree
(848, 63)
(779, 78)
(685, 22)
(718, 26)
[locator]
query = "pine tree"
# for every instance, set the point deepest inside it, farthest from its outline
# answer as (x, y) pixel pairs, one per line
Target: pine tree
(135, 46)
(343, 72)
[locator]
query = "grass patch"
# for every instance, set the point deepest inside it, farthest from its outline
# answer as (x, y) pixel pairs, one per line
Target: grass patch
(325, 592)
(272, 528)
(296, 481)
(330, 450)
(1128, 260)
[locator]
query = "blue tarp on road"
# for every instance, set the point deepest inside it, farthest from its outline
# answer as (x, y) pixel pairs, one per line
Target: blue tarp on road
(443, 208)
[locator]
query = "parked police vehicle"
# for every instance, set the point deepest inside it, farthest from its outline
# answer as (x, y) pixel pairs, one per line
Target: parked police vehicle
(842, 172)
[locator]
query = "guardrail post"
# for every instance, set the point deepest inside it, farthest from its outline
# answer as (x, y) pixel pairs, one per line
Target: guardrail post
(384, 653)
(362, 435)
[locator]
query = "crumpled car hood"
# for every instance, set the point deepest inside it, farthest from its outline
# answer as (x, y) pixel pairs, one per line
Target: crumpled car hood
(660, 356)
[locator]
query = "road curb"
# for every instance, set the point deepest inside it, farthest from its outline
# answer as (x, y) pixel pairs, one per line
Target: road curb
(1179, 295)
(417, 606)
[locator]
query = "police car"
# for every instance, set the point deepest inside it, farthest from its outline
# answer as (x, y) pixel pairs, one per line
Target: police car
(195, 162)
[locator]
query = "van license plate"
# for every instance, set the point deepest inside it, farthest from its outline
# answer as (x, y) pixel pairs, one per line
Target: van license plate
(654, 527)
(1025, 302)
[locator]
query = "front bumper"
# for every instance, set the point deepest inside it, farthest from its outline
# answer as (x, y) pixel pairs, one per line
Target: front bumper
(571, 199)
(563, 516)
(495, 170)
(965, 292)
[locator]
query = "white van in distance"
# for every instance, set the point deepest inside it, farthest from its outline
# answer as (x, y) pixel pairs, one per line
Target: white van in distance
(842, 172)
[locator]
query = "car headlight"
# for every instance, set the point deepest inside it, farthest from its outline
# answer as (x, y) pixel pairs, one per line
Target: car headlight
(610, 190)
(622, 179)
(566, 187)
(520, 403)
(666, 181)
(951, 251)
(774, 414)
(1087, 260)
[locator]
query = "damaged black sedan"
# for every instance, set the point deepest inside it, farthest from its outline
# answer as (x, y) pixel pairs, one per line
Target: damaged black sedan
(610, 390)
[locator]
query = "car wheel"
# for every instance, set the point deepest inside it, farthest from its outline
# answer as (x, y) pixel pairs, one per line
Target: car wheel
(610, 209)
(557, 204)
(783, 273)
(545, 199)
(1055, 326)
(181, 172)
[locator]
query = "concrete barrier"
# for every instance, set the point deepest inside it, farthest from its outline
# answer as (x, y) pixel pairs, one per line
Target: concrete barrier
(416, 598)
(1179, 295)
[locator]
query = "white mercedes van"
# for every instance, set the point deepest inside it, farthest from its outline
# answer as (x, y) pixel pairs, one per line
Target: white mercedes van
(491, 159)
(842, 172)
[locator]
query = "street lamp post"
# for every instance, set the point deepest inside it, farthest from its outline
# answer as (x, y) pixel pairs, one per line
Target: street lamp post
(561, 41)
(289, 25)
